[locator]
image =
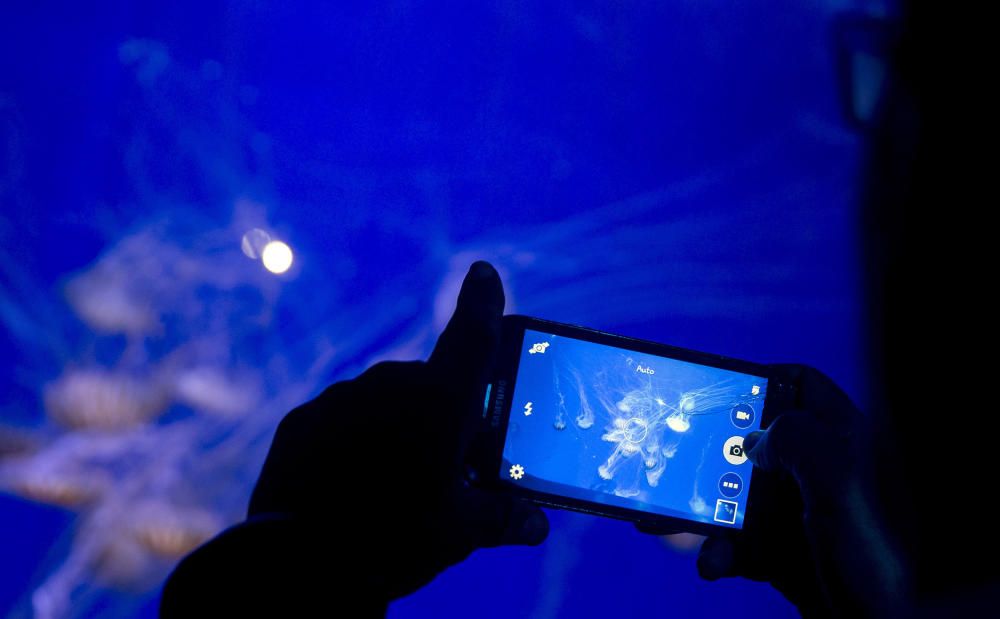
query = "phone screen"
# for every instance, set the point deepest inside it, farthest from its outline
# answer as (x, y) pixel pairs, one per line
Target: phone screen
(610, 425)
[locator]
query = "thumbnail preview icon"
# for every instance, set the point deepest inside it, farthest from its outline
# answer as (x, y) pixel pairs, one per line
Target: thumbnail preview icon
(725, 511)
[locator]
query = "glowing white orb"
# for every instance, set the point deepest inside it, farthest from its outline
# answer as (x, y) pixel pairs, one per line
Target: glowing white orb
(678, 423)
(277, 257)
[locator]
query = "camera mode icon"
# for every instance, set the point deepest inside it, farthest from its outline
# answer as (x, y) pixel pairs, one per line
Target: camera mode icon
(732, 451)
(742, 416)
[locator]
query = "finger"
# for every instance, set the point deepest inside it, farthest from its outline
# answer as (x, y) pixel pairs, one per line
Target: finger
(816, 392)
(717, 558)
(464, 352)
(750, 441)
(491, 519)
(798, 445)
(480, 456)
(782, 447)
(653, 528)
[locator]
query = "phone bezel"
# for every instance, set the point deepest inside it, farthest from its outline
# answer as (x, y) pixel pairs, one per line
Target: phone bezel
(497, 407)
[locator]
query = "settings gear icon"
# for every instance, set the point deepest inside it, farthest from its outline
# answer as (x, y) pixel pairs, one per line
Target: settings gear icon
(517, 471)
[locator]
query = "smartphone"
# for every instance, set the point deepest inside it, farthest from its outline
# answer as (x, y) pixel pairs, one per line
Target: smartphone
(610, 425)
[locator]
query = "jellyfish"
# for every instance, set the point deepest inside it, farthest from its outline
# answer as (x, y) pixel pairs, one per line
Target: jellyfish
(642, 425)
(585, 418)
(96, 398)
(177, 418)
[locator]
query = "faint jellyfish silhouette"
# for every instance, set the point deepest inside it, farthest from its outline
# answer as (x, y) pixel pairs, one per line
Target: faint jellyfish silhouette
(210, 390)
(680, 419)
(638, 428)
(64, 483)
(635, 433)
(54, 491)
(170, 531)
(95, 398)
(697, 504)
(678, 422)
(99, 298)
(561, 414)
(585, 419)
(253, 243)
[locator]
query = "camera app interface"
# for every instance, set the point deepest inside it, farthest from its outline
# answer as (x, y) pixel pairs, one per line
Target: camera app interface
(624, 428)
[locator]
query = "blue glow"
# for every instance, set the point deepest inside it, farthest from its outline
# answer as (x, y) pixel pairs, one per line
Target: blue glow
(676, 171)
(631, 429)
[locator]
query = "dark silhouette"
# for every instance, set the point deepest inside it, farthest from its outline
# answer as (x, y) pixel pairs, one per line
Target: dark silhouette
(891, 507)
(818, 532)
(855, 515)
(389, 530)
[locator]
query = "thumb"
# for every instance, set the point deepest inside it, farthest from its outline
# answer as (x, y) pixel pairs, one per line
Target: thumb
(465, 350)
(493, 519)
(798, 445)
(717, 558)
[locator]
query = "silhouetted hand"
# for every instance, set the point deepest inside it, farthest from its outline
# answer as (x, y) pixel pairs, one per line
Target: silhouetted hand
(382, 455)
(814, 531)
(369, 476)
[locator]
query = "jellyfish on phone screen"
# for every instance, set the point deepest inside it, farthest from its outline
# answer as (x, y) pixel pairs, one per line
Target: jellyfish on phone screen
(644, 419)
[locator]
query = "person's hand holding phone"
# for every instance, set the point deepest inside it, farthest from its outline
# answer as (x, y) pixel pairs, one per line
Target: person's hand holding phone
(382, 456)
(363, 493)
(816, 533)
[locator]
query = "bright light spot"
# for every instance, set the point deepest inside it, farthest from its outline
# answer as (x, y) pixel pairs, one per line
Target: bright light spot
(678, 423)
(660, 402)
(277, 257)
